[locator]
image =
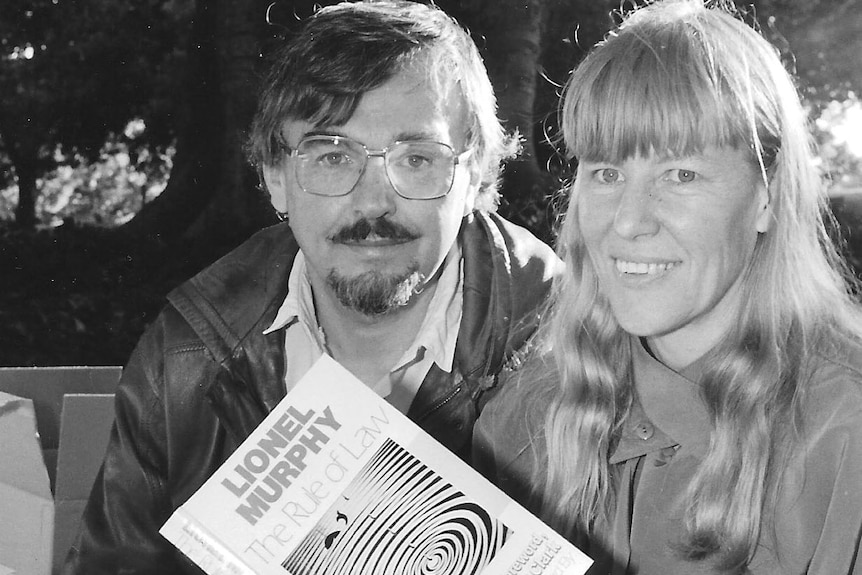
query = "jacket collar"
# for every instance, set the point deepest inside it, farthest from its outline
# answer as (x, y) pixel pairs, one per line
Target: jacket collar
(231, 302)
(225, 302)
(507, 277)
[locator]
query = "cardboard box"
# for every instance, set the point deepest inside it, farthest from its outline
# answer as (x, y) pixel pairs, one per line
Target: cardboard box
(26, 507)
(54, 427)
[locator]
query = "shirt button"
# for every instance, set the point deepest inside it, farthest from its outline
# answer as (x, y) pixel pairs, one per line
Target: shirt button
(644, 430)
(664, 455)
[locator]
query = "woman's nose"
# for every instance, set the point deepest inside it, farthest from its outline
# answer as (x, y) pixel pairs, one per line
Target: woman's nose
(635, 211)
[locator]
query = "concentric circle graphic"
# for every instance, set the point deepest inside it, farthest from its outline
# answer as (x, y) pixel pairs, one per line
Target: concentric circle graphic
(399, 516)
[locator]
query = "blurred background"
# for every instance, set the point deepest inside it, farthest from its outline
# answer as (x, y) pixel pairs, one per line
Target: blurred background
(122, 124)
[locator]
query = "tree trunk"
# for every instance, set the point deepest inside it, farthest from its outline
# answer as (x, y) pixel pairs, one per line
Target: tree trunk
(25, 211)
(212, 192)
(509, 35)
(22, 147)
(237, 203)
(188, 191)
(516, 44)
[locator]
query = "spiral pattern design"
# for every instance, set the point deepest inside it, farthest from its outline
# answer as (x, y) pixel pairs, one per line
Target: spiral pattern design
(399, 516)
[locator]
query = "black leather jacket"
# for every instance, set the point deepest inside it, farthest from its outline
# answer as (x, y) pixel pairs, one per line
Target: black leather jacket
(203, 376)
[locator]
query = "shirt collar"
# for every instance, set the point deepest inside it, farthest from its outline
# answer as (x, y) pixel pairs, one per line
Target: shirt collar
(298, 305)
(439, 330)
(666, 411)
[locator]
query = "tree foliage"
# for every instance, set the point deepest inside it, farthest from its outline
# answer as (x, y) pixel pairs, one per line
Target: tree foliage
(79, 70)
(824, 39)
(73, 73)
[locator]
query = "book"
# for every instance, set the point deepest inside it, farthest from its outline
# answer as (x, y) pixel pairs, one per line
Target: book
(336, 481)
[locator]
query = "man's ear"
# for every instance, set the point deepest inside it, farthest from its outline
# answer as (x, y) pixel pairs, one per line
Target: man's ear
(764, 209)
(275, 179)
(473, 190)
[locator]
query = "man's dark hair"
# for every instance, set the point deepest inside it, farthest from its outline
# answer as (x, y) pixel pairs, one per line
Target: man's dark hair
(343, 51)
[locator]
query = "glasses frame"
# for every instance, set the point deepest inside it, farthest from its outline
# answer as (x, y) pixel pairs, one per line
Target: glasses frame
(457, 159)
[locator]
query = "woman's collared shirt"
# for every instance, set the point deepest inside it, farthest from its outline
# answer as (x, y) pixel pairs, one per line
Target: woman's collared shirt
(818, 517)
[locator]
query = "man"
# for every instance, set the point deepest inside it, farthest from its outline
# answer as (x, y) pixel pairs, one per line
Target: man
(377, 139)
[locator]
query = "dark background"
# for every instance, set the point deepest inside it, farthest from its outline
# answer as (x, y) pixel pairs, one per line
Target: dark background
(79, 284)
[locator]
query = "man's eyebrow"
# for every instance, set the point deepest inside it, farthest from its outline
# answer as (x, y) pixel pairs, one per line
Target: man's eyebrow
(413, 136)
(322, 132)
(424, 135)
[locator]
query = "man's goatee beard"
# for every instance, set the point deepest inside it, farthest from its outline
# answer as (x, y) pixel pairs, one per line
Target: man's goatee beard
(375, 294)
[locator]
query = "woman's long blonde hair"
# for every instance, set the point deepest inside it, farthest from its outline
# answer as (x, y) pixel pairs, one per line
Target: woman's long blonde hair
(681, 75)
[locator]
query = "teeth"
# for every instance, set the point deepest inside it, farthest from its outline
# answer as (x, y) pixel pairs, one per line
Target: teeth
(642, 268)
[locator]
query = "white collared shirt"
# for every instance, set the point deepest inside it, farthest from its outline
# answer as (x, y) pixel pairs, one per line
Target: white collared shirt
(305, 342)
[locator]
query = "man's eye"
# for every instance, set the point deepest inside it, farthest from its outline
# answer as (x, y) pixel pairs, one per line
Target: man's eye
(608, 175)
(682, 176)
(416, 161)
(333, 159)
(417, 156)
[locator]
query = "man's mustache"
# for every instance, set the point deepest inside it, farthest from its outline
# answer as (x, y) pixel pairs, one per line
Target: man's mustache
(379, 227)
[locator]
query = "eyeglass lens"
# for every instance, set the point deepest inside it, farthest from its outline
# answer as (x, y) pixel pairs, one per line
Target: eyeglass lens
(331, 166)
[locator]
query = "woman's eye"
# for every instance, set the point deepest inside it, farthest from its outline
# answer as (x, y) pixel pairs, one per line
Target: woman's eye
(608, 175)
(682, 176)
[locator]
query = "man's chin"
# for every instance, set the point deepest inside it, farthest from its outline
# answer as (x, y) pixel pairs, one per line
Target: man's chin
(375, 293)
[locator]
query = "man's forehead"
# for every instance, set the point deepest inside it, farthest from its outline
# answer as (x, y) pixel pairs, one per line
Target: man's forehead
(409, 106)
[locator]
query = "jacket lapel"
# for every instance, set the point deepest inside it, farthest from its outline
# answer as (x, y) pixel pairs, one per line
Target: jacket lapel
(228, 305)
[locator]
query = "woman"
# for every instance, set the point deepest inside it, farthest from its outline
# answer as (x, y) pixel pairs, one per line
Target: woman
(699, 407)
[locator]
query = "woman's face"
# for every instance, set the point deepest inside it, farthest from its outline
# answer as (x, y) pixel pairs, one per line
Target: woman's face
(670, 239)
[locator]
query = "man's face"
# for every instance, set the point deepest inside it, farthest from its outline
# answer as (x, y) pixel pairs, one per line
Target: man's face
(369, 248)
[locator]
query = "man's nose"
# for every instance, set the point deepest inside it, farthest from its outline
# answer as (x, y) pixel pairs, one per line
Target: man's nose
(373, 196)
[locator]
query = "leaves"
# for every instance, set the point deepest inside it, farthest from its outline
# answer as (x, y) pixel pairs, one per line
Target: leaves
(75, 73)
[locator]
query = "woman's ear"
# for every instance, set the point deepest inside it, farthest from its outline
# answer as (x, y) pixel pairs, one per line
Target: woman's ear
(274, 178)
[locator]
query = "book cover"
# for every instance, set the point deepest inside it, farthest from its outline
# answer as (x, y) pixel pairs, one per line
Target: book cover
(336, 481)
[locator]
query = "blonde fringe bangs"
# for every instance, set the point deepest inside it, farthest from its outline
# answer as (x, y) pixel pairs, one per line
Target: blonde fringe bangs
(657, 90)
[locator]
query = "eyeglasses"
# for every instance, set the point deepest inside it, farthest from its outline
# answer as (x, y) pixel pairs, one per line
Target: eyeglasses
(417, 170)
